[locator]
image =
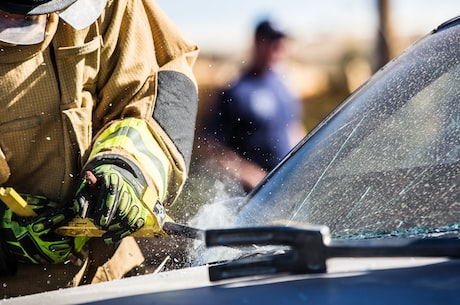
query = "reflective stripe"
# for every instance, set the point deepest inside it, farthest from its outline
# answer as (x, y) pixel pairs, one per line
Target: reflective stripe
(133, 136)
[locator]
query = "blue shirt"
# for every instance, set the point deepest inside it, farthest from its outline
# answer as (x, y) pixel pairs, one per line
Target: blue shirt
(253, 117)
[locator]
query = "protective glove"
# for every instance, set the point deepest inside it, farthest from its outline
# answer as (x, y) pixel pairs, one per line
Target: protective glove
(112, 200)
(31, 239)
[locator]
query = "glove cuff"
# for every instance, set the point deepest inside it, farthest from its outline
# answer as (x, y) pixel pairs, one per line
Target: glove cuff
(130, 141)
(132, 172)
(117, 160)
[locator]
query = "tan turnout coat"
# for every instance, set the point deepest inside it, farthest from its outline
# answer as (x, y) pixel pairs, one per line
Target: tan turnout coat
(56, 95)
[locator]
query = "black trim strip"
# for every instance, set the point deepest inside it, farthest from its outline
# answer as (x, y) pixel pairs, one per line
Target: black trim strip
(175, 110)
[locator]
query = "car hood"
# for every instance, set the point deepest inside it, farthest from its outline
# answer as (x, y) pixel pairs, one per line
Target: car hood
(387, 280)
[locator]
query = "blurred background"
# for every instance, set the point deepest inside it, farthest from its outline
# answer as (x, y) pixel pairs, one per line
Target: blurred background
(335, 46)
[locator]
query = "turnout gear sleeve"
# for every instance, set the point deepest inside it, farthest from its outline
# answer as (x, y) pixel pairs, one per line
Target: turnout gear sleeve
(149, 77)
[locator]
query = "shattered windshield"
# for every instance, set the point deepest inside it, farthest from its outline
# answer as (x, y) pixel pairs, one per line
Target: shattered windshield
(387, 161)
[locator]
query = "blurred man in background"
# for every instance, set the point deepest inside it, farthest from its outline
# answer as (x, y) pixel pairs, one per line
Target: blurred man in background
(257, 119)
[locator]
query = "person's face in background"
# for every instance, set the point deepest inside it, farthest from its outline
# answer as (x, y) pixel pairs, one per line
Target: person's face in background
(268, 52)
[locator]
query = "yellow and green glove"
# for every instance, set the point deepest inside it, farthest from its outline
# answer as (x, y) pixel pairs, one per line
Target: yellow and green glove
(124, 157)
(31, 239)
(113, 201)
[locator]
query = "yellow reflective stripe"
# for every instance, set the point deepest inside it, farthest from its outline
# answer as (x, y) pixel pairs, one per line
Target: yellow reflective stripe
(134, 137)
(149, 159)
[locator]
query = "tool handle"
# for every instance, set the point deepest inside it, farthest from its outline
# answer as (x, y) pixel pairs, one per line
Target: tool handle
(84, 227)
(15, 202)
(157, 224)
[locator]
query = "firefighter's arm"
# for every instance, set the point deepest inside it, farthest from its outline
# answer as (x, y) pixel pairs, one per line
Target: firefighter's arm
(144, 115)
(125, 162)
(146, 73)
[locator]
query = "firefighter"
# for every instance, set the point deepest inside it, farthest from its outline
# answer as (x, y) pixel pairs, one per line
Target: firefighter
(88, 88)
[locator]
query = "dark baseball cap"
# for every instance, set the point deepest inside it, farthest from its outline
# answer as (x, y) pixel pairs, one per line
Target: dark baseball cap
(267, 29)
(34, 7)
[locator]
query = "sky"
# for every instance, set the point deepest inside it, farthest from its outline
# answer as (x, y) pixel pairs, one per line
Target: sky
(226, 26)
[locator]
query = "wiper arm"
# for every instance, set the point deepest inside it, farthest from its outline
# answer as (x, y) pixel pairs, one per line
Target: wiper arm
(310, 248)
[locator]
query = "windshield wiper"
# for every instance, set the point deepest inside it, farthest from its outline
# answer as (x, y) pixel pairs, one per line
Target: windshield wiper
(310, 247)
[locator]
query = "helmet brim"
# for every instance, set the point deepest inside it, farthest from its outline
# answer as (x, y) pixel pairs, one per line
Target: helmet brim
(42, 8)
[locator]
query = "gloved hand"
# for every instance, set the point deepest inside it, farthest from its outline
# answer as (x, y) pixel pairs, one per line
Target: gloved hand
(31, 239)
(112, 200)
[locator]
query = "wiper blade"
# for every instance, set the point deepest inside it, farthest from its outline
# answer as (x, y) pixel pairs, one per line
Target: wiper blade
(310, 248)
